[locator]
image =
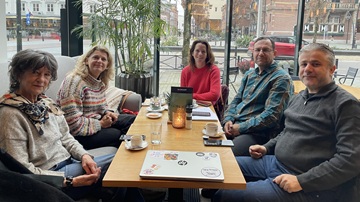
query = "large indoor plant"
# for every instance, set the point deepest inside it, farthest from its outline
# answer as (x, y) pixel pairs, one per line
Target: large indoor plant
(128, 26)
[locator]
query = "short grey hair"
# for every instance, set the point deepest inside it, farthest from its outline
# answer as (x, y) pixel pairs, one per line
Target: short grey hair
(30, 60)
(320, 47)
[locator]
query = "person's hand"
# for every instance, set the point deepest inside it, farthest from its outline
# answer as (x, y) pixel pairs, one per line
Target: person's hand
(106, 121)
(86, 180)
(227, 127)
(288, 183)
(235, 129)
(114, 116)
(88, 164)
(257, 151)
(231, 130)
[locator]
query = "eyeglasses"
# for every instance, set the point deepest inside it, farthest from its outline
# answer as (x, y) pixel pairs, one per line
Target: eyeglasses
(263, 50)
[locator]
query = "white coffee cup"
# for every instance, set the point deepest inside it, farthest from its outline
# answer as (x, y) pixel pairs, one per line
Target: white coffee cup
(211, 129)
(136, 141)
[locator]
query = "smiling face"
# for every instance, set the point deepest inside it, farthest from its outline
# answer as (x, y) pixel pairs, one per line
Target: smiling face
(315, 70)
(200, 55)
(97, 62)
(33, 83)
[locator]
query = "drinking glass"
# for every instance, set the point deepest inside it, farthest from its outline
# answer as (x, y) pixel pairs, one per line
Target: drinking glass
(156, 129)
(155, 103)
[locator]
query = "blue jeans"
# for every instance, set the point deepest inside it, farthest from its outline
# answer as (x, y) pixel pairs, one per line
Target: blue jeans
(259, 174)
(72, 167)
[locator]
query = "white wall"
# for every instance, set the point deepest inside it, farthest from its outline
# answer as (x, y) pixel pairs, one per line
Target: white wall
(215, 11)
(3, 37)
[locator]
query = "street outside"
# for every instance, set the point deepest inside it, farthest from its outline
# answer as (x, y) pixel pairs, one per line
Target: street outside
(170, 74)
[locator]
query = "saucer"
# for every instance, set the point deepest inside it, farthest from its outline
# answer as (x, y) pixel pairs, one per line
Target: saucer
(128, 146)
(146, 102)
(153, 115)
(219, 134)
(195, 106)
(155, 110)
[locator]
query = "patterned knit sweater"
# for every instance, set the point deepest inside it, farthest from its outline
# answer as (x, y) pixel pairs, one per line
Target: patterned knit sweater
(84, 103)
(38, 153)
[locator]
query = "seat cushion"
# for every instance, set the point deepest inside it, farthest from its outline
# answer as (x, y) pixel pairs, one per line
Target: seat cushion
(102, 151)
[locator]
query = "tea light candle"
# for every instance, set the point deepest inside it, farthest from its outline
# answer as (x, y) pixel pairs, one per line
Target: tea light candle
(178, 119)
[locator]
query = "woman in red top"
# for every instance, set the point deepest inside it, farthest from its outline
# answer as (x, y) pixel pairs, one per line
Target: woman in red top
(201, 74)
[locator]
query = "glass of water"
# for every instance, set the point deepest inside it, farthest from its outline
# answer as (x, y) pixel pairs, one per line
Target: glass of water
(156, 129)
(155, 103)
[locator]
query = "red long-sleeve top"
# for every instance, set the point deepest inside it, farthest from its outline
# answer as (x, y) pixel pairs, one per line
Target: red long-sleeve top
(204, 81)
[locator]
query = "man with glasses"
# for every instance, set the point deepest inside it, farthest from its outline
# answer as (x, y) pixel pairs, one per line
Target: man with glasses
(256, 113)
(316, 156)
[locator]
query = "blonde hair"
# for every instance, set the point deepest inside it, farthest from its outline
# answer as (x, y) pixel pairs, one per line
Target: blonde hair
(82, 69)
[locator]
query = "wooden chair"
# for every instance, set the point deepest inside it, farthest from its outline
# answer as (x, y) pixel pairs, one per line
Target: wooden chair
(351, 74)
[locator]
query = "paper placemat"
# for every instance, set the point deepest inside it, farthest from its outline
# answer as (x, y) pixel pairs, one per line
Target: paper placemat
(212, 116)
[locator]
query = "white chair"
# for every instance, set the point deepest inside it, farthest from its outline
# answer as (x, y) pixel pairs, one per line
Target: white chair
(65, 65)
(114, 95)
(4, 78)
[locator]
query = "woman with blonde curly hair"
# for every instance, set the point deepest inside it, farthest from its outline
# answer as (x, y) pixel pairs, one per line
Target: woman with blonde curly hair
(82, 98)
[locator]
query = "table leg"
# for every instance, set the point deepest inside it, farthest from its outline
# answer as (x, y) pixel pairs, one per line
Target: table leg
(175, 195)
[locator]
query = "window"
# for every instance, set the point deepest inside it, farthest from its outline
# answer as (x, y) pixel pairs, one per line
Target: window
(334, 22)
(50, 7)
(311, 28)
(334, 28)
(334, 19)
(92, 8)
(36, 7)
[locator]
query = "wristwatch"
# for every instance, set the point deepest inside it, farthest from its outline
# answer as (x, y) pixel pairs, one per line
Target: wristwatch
(69, 181)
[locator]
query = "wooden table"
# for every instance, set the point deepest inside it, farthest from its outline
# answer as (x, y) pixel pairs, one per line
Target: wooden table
(125, 167)
(299, 86)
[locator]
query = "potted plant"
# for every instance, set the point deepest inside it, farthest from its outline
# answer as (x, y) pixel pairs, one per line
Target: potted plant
(129, 26)
(244, 65)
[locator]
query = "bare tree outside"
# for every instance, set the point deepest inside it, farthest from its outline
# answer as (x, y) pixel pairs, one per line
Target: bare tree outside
(198, 10)
(187, 32)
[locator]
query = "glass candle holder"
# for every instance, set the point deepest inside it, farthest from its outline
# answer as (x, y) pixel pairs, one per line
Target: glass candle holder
(178, 119)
